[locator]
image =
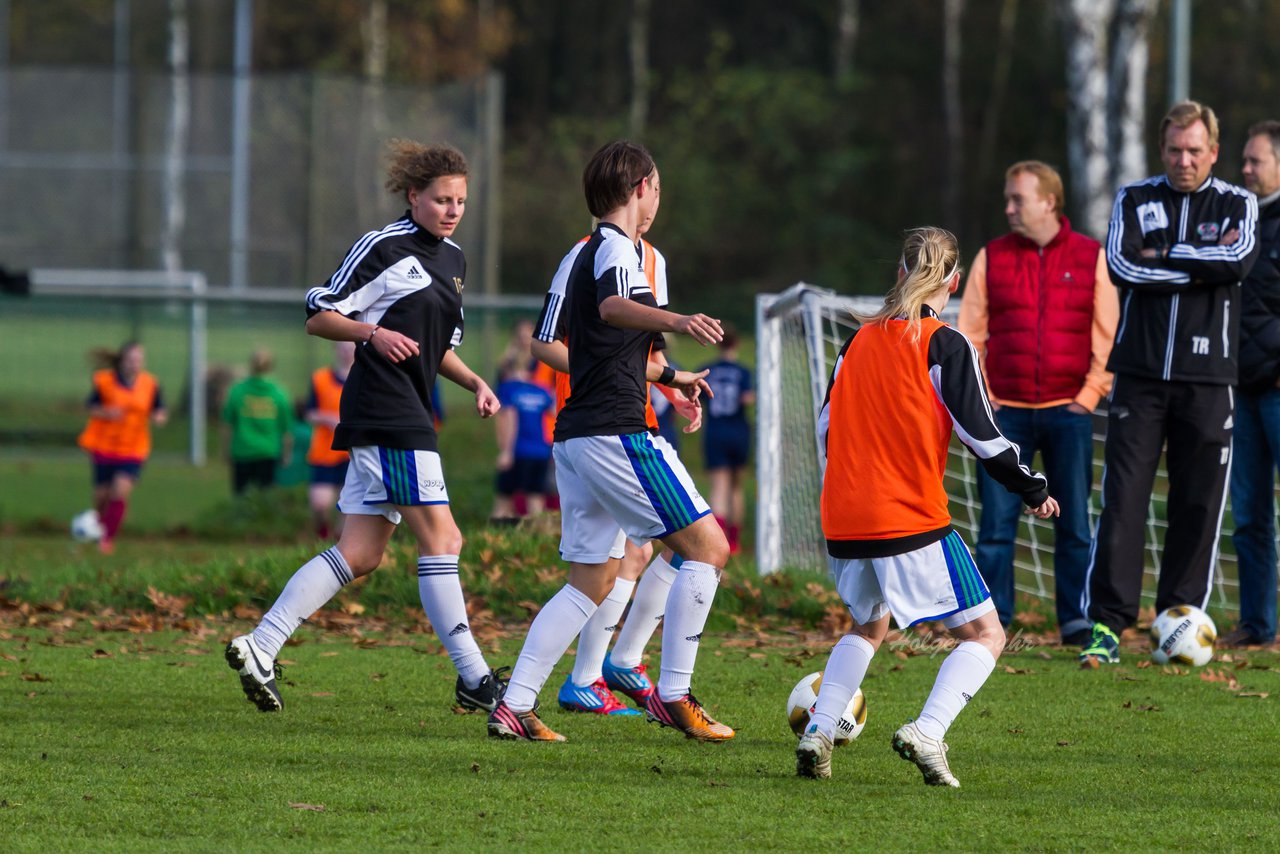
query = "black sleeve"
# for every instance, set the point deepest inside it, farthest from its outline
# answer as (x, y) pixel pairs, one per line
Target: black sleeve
(953, 367)
(1217, 264)
(1125, 242)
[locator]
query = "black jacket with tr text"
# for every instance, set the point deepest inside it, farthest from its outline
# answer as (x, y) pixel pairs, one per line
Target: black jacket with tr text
(1180, 315)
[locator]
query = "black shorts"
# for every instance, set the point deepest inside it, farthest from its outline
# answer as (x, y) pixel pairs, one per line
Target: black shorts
(527, 476)
(105, 470)
(726, 445)
(334, 475)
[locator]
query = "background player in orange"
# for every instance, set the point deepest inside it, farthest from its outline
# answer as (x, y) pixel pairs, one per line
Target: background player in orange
(328, 466)
(123, 404)
(901, 384)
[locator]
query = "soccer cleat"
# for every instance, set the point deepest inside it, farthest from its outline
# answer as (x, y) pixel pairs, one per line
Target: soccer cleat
(505, 723)
(632, 681)
(687, 715)
(486, 695)
(929, 755)
(595, 698)
(258, 673)
(1103, 648)
(813, 755)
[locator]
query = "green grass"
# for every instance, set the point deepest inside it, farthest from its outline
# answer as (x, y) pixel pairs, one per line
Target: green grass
(144, 741)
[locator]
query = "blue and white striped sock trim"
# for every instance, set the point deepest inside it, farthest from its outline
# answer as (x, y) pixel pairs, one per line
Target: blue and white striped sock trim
(338, 564)
(432, 565)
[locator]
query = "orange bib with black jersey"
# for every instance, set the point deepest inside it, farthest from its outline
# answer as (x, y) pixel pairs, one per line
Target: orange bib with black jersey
(328, 392)
(127, 437)
(888, 438)
(562, 380)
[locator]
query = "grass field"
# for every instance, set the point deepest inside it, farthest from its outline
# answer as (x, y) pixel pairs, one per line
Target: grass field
(122, 740)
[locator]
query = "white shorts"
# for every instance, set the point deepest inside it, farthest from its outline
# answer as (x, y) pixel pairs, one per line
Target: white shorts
(937, 582)
(381, 479)
(610, 486)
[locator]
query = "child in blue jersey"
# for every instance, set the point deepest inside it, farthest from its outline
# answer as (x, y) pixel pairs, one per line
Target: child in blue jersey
(524, 449)
(726, 436)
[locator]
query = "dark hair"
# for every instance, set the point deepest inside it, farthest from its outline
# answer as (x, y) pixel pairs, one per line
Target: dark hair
(613, 173)
(413, 166)
(105, 358)
(730, 339)
(1271, 130)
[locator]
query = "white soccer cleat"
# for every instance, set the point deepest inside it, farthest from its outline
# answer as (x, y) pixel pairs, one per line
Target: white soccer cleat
(929, 755)
(258, 672)
(813, 755)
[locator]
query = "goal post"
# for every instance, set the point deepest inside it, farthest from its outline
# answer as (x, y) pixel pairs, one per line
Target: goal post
(799, 333)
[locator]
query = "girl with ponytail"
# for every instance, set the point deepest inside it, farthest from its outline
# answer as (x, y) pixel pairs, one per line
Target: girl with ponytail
(904, 381)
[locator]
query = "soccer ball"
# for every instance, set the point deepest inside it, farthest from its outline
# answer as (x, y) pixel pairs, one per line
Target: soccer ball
(1183, 634)
(86, 528)
(800, 706)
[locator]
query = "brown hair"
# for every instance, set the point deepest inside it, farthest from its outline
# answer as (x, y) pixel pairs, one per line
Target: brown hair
(1049, 179)
(413, 166)
(104, 357)
(930, 257)
(1271, 130)
(613, 173)
(1186, 113)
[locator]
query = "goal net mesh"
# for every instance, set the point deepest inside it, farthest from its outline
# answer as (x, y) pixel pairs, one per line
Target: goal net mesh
(799, 333)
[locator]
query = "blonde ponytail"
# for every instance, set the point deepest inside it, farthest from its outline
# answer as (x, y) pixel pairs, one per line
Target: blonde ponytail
(930, 258)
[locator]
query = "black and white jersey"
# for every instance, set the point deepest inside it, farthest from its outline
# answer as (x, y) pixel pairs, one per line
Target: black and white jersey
(607, 364)
(1180, 316)
(405, 279)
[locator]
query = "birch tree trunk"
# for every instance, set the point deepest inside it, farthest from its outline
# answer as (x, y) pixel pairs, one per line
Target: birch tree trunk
(639, 50)
(953, 12)
(175, 200)
(373, 30)
(847, 20)
(1087, 23)
(1130, 55)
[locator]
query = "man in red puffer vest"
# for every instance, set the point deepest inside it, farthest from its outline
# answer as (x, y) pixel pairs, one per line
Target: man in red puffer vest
(1041, 310)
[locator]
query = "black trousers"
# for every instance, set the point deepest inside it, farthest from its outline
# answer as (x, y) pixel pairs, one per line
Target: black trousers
(256, 473)
(1192, 423)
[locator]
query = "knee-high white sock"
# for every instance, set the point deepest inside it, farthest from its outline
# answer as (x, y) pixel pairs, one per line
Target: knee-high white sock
(846, 668)
(593, 641)
(550, 634)
(962, 673)
(688, 604)
(446, 608)
(646, 612)
(315, 583)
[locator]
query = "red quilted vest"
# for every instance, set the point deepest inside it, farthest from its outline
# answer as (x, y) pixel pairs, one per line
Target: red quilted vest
(1040, 302)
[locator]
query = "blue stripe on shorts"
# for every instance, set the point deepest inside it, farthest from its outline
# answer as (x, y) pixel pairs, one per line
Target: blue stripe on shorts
(666, 494)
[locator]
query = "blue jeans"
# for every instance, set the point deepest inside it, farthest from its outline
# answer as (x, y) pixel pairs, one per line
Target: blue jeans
(1256, 448)
(1065, 441)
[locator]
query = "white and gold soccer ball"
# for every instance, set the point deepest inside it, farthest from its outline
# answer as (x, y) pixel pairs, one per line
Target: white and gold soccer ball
(1183, 634)
(85, 527)
(800, 706)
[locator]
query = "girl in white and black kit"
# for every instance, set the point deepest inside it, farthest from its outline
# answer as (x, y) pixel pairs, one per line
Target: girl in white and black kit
(398, 295)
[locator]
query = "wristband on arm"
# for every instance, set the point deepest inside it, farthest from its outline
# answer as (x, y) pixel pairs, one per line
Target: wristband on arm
(668, 374)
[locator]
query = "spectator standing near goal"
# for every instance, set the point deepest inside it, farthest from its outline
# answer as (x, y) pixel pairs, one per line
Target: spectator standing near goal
(1256, 440)
(726, 441)
(328, 466)
(123, 404)
(258, 425)
(901, 384)
(1041, 312)
(1178, 246)
(398, 295)
(610, 471)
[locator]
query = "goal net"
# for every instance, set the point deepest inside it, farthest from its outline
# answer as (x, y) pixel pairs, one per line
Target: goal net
(798, 335)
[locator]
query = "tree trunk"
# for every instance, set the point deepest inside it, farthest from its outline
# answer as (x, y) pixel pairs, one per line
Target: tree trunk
(175, 200)
(847, 20)
(999, 85)
(373, 29)
(1126, 100)
(1086, 28)
(953, 11)
(639, 49)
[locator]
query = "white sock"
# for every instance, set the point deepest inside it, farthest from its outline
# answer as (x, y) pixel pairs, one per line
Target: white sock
(961, 675)
(846, 668)
(555, 627)
(594, 639)
(315, 583)
(646, 612)
(688, 605)
(441, 593)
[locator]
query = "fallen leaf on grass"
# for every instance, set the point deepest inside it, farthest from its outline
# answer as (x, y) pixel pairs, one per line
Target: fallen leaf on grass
(1143, 665)
(329, 654)
(311, 807)
(34, 677)
(1261, 695)
(101, 653)
(354, 608)
(322, 694)
(1020, 670)
(475, 767)
(1063, 743)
